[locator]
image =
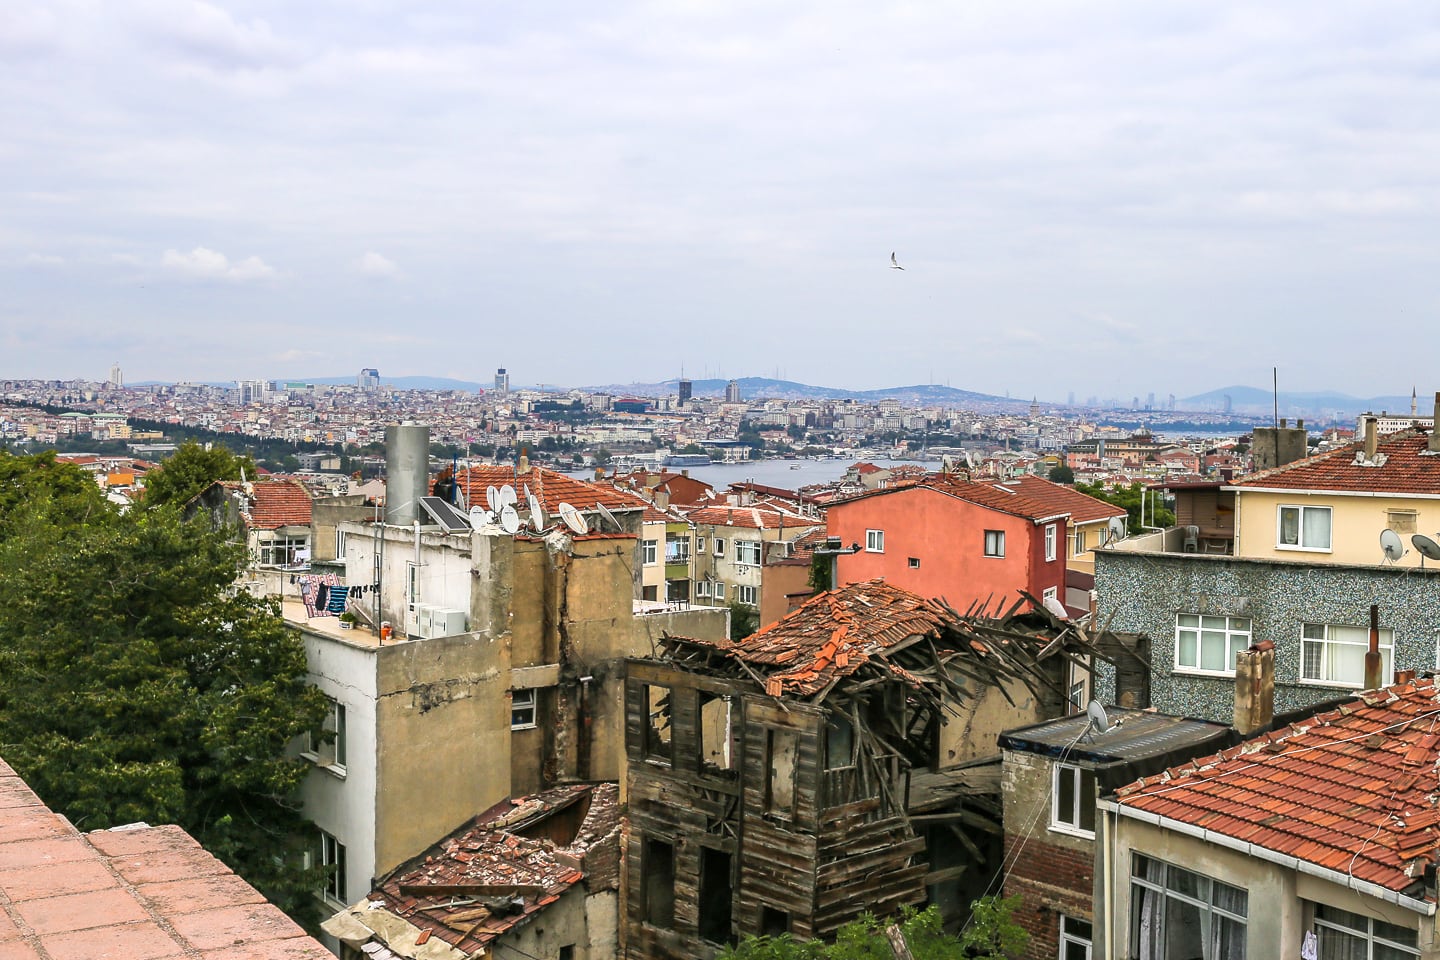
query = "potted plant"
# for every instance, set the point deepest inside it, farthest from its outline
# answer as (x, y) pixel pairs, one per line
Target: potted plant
(348, 620)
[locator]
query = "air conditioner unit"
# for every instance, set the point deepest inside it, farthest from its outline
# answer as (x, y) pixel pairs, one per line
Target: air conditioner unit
(447, 622)
(422, 614)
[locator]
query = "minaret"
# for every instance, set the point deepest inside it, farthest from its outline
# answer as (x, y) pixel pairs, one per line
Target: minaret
(1412, 403)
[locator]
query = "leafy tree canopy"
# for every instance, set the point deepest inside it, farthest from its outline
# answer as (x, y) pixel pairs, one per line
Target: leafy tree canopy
(1129, 498)
(38, 481)
(190, 470)
(991, 933)
(1060, 473)
(136, 684)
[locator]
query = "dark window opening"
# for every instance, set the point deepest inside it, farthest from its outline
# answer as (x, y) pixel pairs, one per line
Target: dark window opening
(773, 922)
(656, 701)
(914, 563)
(715, 896)
(567, 952)
(717, 741)
(839, 742)
(657, 866)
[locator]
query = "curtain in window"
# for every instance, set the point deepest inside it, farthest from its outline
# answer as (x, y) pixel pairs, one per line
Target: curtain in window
(1289, 525)
(1226, 940)
(1334, 945)
(1316, 529)
(1145, 938)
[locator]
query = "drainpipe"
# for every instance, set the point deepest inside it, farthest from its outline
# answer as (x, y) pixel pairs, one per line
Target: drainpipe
(1373, 680)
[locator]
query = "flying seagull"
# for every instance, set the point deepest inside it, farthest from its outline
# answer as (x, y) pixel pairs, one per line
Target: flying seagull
(894, 264)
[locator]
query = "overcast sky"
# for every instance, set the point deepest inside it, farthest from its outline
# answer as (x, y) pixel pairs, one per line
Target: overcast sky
(1105, 198)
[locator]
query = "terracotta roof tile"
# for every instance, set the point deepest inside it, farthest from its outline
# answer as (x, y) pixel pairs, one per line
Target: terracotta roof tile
(1406, 468)
(550, 487)
(992, 495)
(276, 503)
(1061, 499)
(751, 518)
(1344, 792)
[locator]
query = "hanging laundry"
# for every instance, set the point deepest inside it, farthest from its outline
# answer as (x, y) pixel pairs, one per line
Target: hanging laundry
(322, 598)
(337, 600)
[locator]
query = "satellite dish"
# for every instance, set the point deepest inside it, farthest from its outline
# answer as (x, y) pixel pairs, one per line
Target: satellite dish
(507, 496)
(573, 520)
(608, 516)
(1428, 548)
(479, 516)
(1393, 546)
(492, 498)
(1056, 607)
(1117, 530)
(537, 510)
(509, 519)
(1099, 720)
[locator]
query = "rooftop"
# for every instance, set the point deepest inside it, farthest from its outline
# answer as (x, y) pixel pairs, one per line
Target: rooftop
(1351, 790)
(131, 893)
(550, 487)
(751, 518)
(1133, 735)
(995, 496)
(275, 503)
(1402, 466)
(1061, 499)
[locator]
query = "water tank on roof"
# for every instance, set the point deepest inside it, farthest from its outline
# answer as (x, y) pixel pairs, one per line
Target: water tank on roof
(407, 471)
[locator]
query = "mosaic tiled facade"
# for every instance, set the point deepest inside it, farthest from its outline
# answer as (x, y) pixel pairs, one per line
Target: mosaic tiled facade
(1144, 593)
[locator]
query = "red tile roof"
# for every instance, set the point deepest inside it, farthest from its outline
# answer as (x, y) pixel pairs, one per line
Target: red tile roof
(276, 503)
(1351, 790)
(1407, 468)
(131, 893)
(1017, 503)
(550, 487)
(750, 518)
(495, 860)
(1061, 499)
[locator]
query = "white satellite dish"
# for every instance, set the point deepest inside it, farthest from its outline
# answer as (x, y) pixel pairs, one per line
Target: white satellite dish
(479, 516)
(509, 519)
(1116, 530)
(573, 520)
(492, 498)
(1428, 548)
(537, 510)
(1393, 546)
(507, 496)
(1099, 720)
(608, 516)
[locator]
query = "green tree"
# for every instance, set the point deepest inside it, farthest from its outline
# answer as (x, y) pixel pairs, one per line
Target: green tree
(992, 934)
(191, 469)
(38, 481)
(820, 569)
(992, 931)
(1060, 473)
(744, 620)
(602, 457)
(1129, 498)
(136, 684)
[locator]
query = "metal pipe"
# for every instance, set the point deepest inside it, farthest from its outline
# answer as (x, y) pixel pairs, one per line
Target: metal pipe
(1373, 678)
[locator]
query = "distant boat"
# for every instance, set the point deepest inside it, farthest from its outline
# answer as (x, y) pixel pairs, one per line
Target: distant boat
(687, 460)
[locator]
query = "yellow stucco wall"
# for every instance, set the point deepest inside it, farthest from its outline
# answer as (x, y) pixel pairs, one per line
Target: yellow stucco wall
(1355, 528)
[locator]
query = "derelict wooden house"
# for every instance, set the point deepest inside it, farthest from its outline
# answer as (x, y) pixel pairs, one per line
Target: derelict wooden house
(824, 766)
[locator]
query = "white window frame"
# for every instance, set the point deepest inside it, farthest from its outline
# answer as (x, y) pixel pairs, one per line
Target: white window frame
(1050, 593)
(719, 591)
(412, 583)
(286, 545)
(699, 546)
(719, 546)
(520, 701)
(649, 552)
(1323, 636)
(341, 538)
(995, 544)
(329, 756)
(1233, 636)
(702, 588)
(1302, 510)
(332, 853)
(750, 596)
(1367, 936)
(1204, 903)
(677, 549)
(914, 563)
(1050, 538)
(1069, 938)
(1058, 817)
(747, 552)
(1077, 542)
(874, 541)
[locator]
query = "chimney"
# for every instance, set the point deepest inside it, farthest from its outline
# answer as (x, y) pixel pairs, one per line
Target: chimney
(1434, 445)
(1255, 688)
(524, 465)
(1371, 440)
(1373, 679)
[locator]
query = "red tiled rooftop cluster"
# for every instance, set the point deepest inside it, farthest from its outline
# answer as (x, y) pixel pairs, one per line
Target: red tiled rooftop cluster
(1057, 499)
(276, 503)
(1352, 790)
(1013, 501)
(550, 487)
(1407, 468)
(135, 893)
(752, 518)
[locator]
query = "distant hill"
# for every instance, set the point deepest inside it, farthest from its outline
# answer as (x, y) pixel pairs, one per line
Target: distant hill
(1254, 400)
(752, 388)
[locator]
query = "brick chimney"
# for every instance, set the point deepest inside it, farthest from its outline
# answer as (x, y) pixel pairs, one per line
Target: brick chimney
(1374, 680)
(1371, 439)
(1255, 689)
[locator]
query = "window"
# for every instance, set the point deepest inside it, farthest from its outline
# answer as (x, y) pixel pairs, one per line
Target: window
(1072, 804)
(281, 551)
(1341, 935)
(1177, 913)
(874, 541)
(330, 751)
(522, 709)
(780, 750)
(717, 739)
(657, 881)
(1209, 644)
(1303, 528)
(702, 588)
(1335, 655)
(1075, 935)
(340, 537)
(1049, 542)
(1403, 521)
(655, 700)
(716, 895)
(914, 563)
(747, 551)
(994, 543)
(699, 544)
(1077, 542)
(648, 550)
(839, 742)
(1050, 593)
(749, 595)
(677, 549)
(719, 546)
(331, 854)
(719, 591)
(412, 583)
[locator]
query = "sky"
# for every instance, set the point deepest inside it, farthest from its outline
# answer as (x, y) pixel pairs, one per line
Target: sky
(1104, 198)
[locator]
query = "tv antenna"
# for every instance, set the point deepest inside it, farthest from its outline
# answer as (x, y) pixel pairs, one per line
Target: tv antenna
(1392, 545)
(1427, 546)
(573, 520)
(507, 496)
(479, 517)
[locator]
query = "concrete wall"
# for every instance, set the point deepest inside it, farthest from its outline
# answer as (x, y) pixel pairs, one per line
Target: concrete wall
(1356, 523)
(443, 739)
(326, 513)
(986, 714)
(1143, 593)
(1277, 916)
(444, 578)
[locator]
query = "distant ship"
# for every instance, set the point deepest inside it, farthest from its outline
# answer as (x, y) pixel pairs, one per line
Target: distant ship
(687, 460)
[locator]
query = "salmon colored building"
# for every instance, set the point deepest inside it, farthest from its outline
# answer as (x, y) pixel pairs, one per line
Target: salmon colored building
(944, 536)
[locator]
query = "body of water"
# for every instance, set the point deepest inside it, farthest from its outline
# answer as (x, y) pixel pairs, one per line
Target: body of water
(789, 474)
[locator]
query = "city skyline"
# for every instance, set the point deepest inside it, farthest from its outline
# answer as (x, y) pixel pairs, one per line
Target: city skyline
(1135, 199)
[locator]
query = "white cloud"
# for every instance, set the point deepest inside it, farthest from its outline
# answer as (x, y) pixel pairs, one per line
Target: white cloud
(377, 266)
(206, 264)
(43, 260)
